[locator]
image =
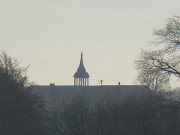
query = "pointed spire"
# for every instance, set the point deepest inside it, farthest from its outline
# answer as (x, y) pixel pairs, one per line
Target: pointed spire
(81, 61)
(81, 71)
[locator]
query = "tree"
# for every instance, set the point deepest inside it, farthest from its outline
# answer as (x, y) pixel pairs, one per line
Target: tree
(155, 69)
(69, 117)
(20, 110)
(156, 66)
(154, 78)
(148, 114)
(169, 36)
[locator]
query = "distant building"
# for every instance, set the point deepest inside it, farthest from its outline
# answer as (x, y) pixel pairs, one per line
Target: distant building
(53, 94)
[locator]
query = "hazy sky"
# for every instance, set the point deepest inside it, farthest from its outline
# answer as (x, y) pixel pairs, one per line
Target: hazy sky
(50, 35)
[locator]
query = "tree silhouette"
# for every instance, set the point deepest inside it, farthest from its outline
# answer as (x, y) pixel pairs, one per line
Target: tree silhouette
(156, 66)
(20, 110)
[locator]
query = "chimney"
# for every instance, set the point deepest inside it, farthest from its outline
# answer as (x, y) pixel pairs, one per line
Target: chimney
(52, 84)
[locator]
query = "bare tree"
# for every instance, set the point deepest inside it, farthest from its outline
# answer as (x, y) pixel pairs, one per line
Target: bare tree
(149, 74)
(169, 36)
(70, 117)
(156, 66)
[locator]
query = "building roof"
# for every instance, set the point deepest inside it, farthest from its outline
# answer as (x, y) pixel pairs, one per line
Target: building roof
(81, 71)
(54, 94)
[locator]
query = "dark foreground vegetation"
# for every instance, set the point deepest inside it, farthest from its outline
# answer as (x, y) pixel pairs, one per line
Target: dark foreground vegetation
(151, 114)
(20, 110)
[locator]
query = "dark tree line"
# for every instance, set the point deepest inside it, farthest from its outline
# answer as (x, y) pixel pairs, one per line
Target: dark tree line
(20, 110)
(149, 114)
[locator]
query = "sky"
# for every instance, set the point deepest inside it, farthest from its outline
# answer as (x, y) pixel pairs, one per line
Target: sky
(49, 35)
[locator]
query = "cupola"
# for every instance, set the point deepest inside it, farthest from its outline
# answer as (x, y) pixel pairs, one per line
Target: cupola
(81, 77)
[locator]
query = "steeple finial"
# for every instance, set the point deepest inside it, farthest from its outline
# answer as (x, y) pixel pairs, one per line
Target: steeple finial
(81, 62)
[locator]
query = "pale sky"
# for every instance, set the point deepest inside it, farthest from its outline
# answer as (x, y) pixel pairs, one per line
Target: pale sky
(51, 34)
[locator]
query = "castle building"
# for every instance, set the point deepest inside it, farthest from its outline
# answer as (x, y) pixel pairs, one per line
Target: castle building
(53, 94)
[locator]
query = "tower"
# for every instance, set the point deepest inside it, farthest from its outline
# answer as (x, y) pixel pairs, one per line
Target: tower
(81, 77)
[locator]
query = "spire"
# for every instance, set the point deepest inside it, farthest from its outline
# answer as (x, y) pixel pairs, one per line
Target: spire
(81, 61)
(81, 71)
